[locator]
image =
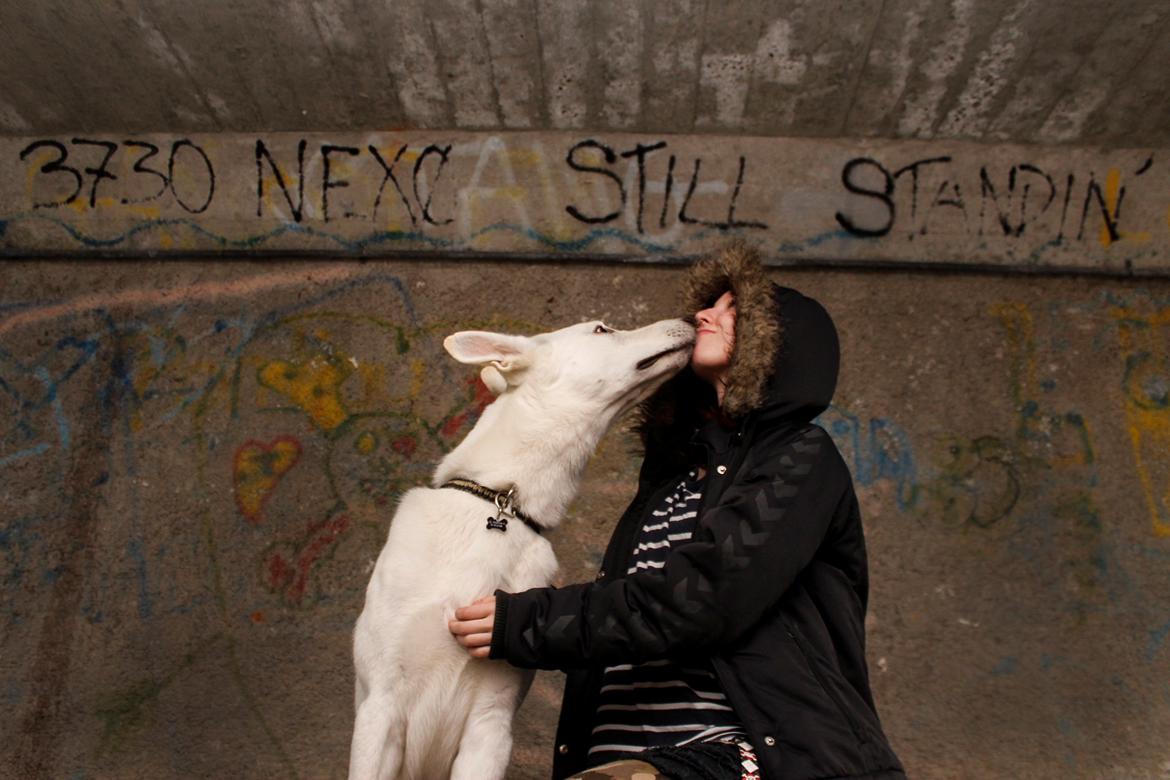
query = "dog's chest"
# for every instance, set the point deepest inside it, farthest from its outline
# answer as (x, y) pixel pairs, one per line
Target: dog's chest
(518, 557)
(446, 534)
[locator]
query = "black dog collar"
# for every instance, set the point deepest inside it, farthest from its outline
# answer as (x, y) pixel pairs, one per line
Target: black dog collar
(503, 499)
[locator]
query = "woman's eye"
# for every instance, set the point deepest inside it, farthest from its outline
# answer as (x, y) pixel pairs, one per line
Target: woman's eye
(602, 329)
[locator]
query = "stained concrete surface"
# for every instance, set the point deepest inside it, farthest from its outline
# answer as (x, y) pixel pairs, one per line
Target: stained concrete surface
(198, 462)
(563, 196)
(1021, 71)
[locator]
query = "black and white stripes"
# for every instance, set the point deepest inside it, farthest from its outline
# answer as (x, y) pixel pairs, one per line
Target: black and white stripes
(660, 702)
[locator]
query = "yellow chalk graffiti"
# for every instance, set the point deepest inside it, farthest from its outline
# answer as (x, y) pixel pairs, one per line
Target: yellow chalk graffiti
(312, 385)
(366, 443)
(1062, 439)
(258, 469)
(1112, 193)
(1147, 406)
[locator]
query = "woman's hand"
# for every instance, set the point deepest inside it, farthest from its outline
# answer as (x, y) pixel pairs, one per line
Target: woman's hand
(472, 626)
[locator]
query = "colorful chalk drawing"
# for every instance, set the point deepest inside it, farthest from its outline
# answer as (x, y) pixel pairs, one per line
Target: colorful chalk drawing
(875, 449)
(311, 385)
(1042, 475)
(258, 469)
(289, 433)
(1143, 339)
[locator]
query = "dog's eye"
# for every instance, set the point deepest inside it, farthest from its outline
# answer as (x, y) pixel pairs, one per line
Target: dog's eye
(602, 329)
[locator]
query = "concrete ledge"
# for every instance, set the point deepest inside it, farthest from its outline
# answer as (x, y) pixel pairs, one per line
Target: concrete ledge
(558, 196)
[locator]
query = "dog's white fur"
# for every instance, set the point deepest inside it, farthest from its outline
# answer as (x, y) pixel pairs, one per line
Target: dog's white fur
(425, 709)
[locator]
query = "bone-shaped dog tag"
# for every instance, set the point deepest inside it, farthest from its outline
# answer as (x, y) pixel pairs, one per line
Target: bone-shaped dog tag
(498, 523)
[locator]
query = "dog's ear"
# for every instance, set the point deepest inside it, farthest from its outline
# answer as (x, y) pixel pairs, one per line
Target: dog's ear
(502, 352)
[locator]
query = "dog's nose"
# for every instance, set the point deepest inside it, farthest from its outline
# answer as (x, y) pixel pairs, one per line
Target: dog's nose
(690, 320)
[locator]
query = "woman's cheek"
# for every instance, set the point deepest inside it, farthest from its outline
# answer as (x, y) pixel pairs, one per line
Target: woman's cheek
(705, 353)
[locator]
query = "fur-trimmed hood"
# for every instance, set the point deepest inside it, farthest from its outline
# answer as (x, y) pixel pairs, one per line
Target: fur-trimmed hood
(784, 363)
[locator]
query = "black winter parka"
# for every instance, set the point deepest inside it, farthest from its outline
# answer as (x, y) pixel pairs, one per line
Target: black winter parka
(771, 588)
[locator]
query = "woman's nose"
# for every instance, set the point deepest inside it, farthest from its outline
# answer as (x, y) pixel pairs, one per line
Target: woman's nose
(703, 316)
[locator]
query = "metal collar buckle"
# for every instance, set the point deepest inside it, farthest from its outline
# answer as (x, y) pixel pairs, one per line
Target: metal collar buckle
(503, 503)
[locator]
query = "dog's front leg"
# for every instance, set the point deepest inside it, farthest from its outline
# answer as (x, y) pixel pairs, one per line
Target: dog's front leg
(378, 741)
(486, 743)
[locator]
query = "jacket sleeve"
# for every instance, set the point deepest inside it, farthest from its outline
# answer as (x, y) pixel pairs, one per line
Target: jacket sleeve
(745, 553)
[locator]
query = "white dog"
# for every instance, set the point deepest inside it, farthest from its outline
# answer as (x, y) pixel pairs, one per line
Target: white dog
(425, 709)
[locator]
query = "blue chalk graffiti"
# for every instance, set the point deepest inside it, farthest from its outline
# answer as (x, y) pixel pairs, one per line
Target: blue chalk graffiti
(876, 449)
(377, 238)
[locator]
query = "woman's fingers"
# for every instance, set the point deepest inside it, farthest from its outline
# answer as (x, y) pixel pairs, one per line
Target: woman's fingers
(471, 641)
(468, 627)
(472, 626)
(479, 609)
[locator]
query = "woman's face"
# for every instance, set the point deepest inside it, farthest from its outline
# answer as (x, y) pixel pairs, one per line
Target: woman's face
(714, 339)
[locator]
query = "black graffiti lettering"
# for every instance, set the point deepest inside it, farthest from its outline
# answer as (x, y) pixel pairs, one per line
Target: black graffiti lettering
(1024, 221)
(1064, 209)
(912, 169)
(731, 223)
(55, 166)
(682, 212)
(1145, 166)
(442, 151)
(1023, 200)
(950, 195)
(987, 188)
(140, 167)
(99, 172)
(1111, 218)
(884, 196)
(668, 191)
(262, 152)
(388, 175)
(639, 152)
(175, 147)
(102, 172)
(326, 183)
(610, 158)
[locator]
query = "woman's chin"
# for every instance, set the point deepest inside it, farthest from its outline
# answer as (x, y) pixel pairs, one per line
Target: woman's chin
(708, 366)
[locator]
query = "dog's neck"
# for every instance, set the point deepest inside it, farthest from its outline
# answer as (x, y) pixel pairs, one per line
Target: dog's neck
(516, 442)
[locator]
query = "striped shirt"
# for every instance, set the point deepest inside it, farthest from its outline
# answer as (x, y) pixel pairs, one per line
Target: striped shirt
(661, 702)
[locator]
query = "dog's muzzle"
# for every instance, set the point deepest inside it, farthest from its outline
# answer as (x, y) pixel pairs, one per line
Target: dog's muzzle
(645, 363)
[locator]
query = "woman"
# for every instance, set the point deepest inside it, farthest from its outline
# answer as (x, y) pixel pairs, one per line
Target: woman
(724, 636)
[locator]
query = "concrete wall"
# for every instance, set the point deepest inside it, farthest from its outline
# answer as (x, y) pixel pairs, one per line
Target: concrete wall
(199, 459)
(1025, 71)
(558, 196)
(198, 462)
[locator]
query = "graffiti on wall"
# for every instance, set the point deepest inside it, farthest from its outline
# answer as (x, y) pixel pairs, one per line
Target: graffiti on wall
(558, 193)
(1022, 199)
(291, 433)
(1143, 338)
(253, 453)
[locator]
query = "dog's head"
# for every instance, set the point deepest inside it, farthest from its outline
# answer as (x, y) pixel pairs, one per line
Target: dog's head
(589, 364)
